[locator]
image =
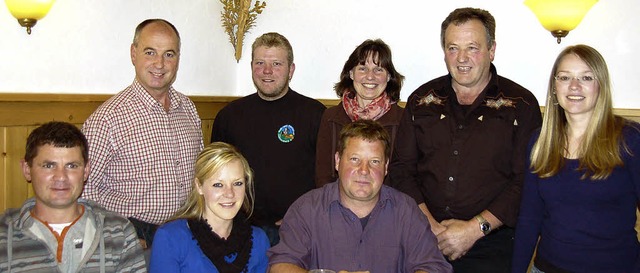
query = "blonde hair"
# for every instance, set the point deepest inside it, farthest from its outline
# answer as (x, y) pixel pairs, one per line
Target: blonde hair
(210, 160)
(273, 39)
(599, 152)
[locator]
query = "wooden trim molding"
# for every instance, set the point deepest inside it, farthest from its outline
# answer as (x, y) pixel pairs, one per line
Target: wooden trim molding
(35, 109)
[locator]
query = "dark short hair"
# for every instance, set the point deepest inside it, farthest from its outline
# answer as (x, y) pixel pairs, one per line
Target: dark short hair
(273, 39)
(381, 55)
(143, 24)
(57, 134)
(369, 130)
(463, 15)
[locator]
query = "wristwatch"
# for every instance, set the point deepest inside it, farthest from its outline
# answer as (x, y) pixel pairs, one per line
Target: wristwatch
(485, 226)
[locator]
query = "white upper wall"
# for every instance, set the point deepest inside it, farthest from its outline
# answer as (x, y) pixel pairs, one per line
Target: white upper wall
(83, 46)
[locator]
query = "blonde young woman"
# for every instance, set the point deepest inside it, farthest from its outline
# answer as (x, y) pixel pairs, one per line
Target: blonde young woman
(208, 234)
(583, 188)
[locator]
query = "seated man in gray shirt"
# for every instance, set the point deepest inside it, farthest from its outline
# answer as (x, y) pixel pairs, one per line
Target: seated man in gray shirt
(55, 231)
(357, 224)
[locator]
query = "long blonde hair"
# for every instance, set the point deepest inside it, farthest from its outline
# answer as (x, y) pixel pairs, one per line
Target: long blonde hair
(599, 152)
(210, 160)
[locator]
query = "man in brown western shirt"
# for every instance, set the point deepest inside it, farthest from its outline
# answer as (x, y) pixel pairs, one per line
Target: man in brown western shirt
(460, 148)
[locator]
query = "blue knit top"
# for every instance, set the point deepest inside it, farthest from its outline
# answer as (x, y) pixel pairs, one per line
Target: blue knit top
(584, 225)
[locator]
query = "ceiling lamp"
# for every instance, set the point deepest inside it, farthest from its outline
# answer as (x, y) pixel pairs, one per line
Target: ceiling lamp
(28, 12)
(560, 16)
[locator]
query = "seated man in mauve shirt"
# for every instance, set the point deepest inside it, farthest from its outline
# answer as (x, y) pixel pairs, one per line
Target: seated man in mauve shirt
(357, 224)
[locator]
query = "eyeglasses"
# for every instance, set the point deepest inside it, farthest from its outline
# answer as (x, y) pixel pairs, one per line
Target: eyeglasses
(566, 79)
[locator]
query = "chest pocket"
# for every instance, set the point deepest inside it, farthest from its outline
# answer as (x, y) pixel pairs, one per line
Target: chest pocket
(431, 131)
(499, 128)
(494, 135)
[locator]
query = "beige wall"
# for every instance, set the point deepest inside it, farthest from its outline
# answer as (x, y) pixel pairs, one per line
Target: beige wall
(82, 47)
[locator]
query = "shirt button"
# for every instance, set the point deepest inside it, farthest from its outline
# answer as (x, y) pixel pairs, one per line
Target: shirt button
(460, 127)
(455, 152)
(177, 162)
(447, 208)
(451, 178)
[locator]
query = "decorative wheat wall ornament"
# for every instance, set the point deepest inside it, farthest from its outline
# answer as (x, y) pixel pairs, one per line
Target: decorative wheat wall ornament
(237, 18)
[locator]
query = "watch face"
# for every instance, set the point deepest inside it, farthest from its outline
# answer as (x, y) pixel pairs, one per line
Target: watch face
(485, 227)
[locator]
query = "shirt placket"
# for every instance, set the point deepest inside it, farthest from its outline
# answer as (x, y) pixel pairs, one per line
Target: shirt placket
(360, 239)
(461, 128)
(453, 166)
(174, 131)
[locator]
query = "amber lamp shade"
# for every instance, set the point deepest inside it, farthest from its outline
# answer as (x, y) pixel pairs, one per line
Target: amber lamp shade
(560, 16)
(28, 12)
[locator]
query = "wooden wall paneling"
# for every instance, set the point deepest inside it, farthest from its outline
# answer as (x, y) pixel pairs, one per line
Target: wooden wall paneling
(17, 188)
(207, 124)
(632, 114)
(208, 108)
(3, 166)
(40, 108)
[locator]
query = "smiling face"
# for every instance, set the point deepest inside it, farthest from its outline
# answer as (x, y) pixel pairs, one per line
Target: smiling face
(369, 80)
(361, 168)
(578, 95)
(57, 175)
(223, 193)
(271, 72)
(467, 54)
(156, 57)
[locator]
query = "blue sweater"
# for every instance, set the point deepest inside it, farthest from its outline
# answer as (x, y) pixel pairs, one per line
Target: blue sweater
(584, 225)
(175, 250)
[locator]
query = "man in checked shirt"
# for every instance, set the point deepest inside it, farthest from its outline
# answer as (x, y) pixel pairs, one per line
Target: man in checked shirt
(143, 141)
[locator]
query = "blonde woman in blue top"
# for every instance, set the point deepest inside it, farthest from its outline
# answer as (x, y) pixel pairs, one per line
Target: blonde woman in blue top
(211, 233)
(583, 188)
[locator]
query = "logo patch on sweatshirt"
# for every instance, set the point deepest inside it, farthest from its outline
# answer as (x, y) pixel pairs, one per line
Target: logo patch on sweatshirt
(286, 133)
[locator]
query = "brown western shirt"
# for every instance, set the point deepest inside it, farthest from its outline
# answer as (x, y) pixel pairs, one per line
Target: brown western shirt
(460, 160)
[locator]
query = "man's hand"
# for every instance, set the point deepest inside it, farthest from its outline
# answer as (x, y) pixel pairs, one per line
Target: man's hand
(437, 228)
(458, 237)
(278, 223)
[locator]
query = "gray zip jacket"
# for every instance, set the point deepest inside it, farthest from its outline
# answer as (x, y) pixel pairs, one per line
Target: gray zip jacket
(113, 247)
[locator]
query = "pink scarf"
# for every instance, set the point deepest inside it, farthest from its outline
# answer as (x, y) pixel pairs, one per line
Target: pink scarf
(374, 110)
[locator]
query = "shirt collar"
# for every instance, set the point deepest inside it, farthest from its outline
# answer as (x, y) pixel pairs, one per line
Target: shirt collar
(332, 195)
(150, 101)
(490, 90)
(492, 86)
